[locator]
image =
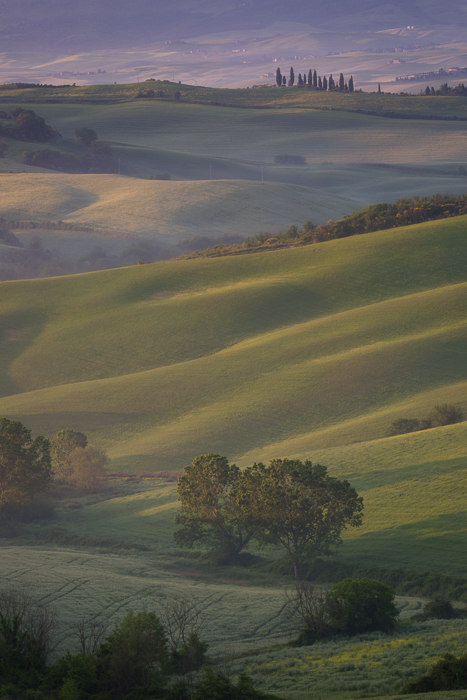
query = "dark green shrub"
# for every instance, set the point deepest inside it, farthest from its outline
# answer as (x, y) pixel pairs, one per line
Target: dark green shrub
(450, 673)
(438, 610)
(361, 605)
(402, 426)
(445, 414)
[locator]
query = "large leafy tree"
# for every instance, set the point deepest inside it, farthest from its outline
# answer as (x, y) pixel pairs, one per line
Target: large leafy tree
(300, 507)
(25, 467)
(213, 513)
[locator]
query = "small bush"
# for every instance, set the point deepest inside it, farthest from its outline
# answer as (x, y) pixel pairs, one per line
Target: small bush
(438, 610)
(450, 673)
(402, 426)
(443, 414)
(350, 607)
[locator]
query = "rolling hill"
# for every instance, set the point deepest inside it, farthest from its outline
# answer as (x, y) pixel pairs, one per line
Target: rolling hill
(97, 25)
(232, 354)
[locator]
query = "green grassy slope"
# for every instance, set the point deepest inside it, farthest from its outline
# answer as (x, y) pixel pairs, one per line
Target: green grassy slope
(235, 353)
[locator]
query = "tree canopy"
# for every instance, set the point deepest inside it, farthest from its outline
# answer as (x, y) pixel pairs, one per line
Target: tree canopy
(289, 504)
(301, 508)
(25, 467)
(210, 513)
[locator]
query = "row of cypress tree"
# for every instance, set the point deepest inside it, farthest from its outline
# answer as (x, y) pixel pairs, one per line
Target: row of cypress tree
(314, 81)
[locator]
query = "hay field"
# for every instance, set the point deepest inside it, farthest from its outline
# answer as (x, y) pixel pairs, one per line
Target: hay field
(168, 210)
(239, 614)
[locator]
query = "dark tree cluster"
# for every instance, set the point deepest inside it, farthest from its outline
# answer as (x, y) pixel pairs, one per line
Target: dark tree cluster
(29, 466)
(95, 156)
(289, 504)
(313, 81)
(443, 414)
(352, 606)
(445, 89)
(286, 159)
(142, 658)
(149, 94)
(26, 125)
(25, 466)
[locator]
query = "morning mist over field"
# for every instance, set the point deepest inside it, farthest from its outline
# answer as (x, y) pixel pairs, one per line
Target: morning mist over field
(233, 350)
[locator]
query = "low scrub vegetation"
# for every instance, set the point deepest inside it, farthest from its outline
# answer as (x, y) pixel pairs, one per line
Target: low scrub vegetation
(351, 607)
(439, 610)
(450, 673)
(141, 657)
(376, 217)
(442, 414)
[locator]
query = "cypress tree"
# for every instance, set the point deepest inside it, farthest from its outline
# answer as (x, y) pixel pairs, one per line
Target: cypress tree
(310, 78)
(300, 81)
(427, 90)
(341, 81)
(315, 79)
(284, 81)
(379, 88)
(278, 77)
(320, 84)
(291, 78)
(325, 83)
(433, 93)
(331, 82)
(350, 84)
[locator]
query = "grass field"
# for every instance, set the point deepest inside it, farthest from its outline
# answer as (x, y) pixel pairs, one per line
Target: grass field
(373, 664)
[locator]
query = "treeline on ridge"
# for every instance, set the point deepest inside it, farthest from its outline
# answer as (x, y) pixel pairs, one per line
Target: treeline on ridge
(313, 81)
(376, 217)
